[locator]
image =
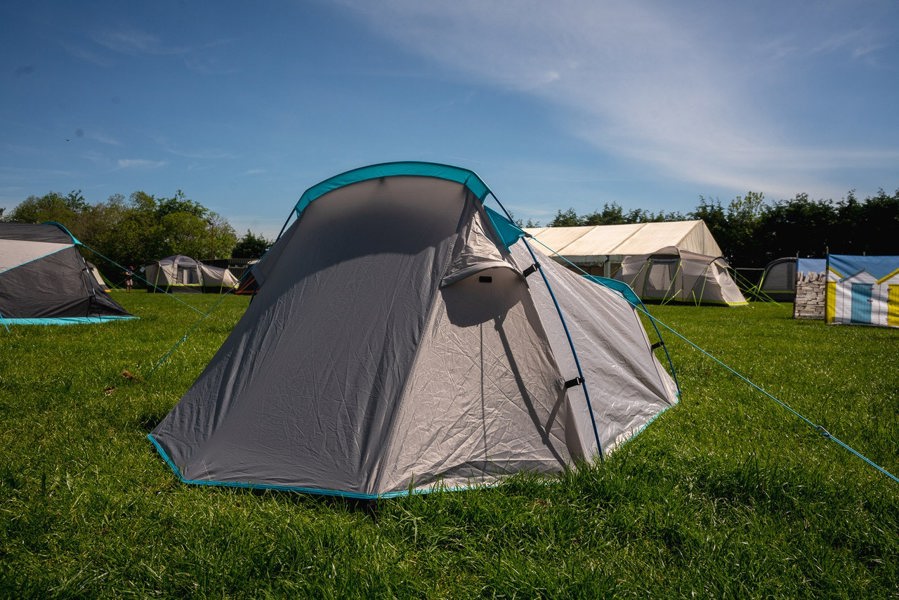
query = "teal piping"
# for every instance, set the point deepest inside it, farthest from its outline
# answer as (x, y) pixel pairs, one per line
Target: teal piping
(301, 489)
(394, 169)
(66, 320)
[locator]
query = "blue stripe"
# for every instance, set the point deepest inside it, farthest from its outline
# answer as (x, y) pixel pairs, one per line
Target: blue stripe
(395, 169)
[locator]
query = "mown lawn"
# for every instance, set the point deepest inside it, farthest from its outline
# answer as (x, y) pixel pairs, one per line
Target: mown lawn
(726, 495)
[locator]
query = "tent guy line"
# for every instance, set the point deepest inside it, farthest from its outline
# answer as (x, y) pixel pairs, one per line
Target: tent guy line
(818, 428)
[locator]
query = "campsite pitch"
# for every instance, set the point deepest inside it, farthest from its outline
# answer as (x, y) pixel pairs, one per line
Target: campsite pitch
(726, 494)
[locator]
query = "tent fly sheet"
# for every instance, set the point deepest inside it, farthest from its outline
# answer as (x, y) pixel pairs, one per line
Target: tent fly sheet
(402, 339)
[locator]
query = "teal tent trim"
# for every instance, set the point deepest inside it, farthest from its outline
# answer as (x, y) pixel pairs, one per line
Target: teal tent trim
(508, 231)
(303, 490)
(67, 320)
(619, 286)
(394, 169)
(75, 240)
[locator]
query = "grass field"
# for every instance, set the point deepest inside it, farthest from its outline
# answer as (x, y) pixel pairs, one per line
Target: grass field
(726, 495)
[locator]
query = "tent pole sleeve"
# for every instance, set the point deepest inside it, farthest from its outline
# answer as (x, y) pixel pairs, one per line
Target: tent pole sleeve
(283, 227)
(577, 361)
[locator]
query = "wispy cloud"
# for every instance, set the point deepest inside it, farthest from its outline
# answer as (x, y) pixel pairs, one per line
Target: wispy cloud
(642, 80)
(133, 41)
(139, 163)
(197, 56)
(88, 55)
(102, 138)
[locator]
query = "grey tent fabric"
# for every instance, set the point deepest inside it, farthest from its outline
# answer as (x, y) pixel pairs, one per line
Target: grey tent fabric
(611, 344)
(395, 345)
(44, 280)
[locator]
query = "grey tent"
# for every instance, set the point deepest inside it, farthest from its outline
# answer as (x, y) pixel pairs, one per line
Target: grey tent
(44, 280)
(186, 274)
(402, 339)
(780, 277)
(673, 275)
(778, 280)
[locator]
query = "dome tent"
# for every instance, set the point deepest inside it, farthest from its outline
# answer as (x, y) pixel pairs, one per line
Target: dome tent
(185, 274)
(781, 275)
(403, 337)
(673, 275)
(44, 280)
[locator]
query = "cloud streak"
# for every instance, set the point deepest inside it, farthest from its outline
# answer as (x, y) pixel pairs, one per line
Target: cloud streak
(661, 84)
(139, 163)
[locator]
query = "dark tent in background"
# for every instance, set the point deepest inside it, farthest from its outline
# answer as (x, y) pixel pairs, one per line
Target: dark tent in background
(402, 337)
(248, 285)
(779, 280)
(44, 280)
(781, 275)
(186, 274)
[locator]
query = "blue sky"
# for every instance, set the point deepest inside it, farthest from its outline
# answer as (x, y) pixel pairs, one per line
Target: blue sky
(243, 105)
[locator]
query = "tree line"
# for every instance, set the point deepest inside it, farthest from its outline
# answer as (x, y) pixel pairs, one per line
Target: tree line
(752, 231)
(140, 229)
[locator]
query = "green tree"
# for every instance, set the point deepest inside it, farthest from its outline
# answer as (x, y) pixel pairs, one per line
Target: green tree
(874, 222)
(66, 210)
(569, 218)
(135, 231)
(611, 214)
(798, 227)
(250, 246)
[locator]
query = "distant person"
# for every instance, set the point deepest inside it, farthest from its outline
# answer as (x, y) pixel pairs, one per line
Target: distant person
(129, 278)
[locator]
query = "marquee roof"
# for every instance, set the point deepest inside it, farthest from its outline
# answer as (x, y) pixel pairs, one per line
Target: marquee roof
(592, 244)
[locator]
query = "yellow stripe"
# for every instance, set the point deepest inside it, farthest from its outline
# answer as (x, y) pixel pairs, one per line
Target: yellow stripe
(893, 306)
(830, 311)
(891, 275)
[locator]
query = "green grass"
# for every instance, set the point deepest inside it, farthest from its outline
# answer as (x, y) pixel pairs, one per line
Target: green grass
(726, 495)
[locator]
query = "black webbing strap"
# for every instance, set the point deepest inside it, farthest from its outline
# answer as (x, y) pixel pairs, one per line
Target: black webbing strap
(658, 344)
(531, 270)
(573, 382)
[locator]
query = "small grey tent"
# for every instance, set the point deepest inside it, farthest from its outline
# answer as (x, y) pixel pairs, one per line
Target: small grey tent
(778, 280)
(673, 275)
(186, 274)
(44, 280)
(404, 337)
(781, 275)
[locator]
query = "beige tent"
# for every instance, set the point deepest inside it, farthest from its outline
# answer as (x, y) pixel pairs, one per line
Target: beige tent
(185, 274)
(672, 275)
(600, 249)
